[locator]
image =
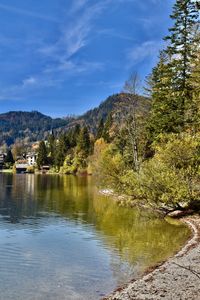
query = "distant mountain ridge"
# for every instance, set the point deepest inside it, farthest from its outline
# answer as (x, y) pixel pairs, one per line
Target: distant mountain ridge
(33, 126)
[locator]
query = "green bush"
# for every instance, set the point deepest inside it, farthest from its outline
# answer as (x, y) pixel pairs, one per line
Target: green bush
(74, 163)
(31, 169)
(171, 177)
(8, 166)
(111, 166)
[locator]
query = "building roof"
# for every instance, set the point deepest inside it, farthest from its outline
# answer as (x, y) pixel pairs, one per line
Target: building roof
(31, 154)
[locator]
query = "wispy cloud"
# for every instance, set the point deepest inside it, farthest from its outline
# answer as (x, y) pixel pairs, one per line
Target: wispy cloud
(102, 83)
(73, 37)
(29, 81)
(31, 84)
(132, 1)
(77, 5)
(112, 33)
(27, 13)
(147, 22)
(148, 49)
(72, 68)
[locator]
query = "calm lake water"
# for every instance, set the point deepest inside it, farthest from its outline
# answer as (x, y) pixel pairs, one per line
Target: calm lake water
(59, 239)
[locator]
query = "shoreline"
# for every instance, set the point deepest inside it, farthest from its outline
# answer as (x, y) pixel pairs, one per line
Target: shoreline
(176, 278)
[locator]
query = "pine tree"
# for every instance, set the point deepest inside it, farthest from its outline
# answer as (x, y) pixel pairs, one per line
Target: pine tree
(73, 135)
(182, 41)
(42, 155)
(84, 144)
(61, 151)
(100, 129)
(52, 148)
(166, 109)
(170, 85)
(9, 157)
(107, 127)
(193, 111)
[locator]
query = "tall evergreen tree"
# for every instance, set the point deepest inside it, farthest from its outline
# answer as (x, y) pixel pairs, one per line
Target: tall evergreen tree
(182, 40)
(193, 111)
(100, 129)
(107, 127)
(170, 84)
(61, 150)
(9, 157)
(166, 109)
(75, 135)
(72, 135)
(42, 155)
(84, 144)
(52, 148)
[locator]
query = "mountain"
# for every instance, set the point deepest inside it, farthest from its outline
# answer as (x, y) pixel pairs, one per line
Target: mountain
(92, 117)
(33, 126)
(112, 104)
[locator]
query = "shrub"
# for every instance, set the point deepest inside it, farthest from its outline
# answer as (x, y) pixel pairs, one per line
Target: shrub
(111, 168)
(171, 177)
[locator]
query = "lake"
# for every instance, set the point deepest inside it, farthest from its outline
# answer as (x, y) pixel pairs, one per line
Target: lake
(61, 239)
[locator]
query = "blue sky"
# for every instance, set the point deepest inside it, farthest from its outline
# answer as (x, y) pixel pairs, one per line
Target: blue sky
(64, 57)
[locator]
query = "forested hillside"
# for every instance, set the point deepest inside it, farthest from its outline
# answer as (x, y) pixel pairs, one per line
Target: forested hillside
(113, 104)
(26, 125)
(34, 126)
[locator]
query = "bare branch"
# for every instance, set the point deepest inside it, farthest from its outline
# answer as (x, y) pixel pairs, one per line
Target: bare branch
(132, 85)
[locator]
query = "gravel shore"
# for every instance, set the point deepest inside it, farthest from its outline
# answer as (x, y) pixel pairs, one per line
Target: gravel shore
(178, 278)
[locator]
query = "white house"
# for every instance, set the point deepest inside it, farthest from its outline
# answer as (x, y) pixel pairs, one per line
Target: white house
(31, 159)
(2, 159)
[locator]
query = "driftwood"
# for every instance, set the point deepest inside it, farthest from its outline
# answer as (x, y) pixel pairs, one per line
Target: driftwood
(180, 213)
